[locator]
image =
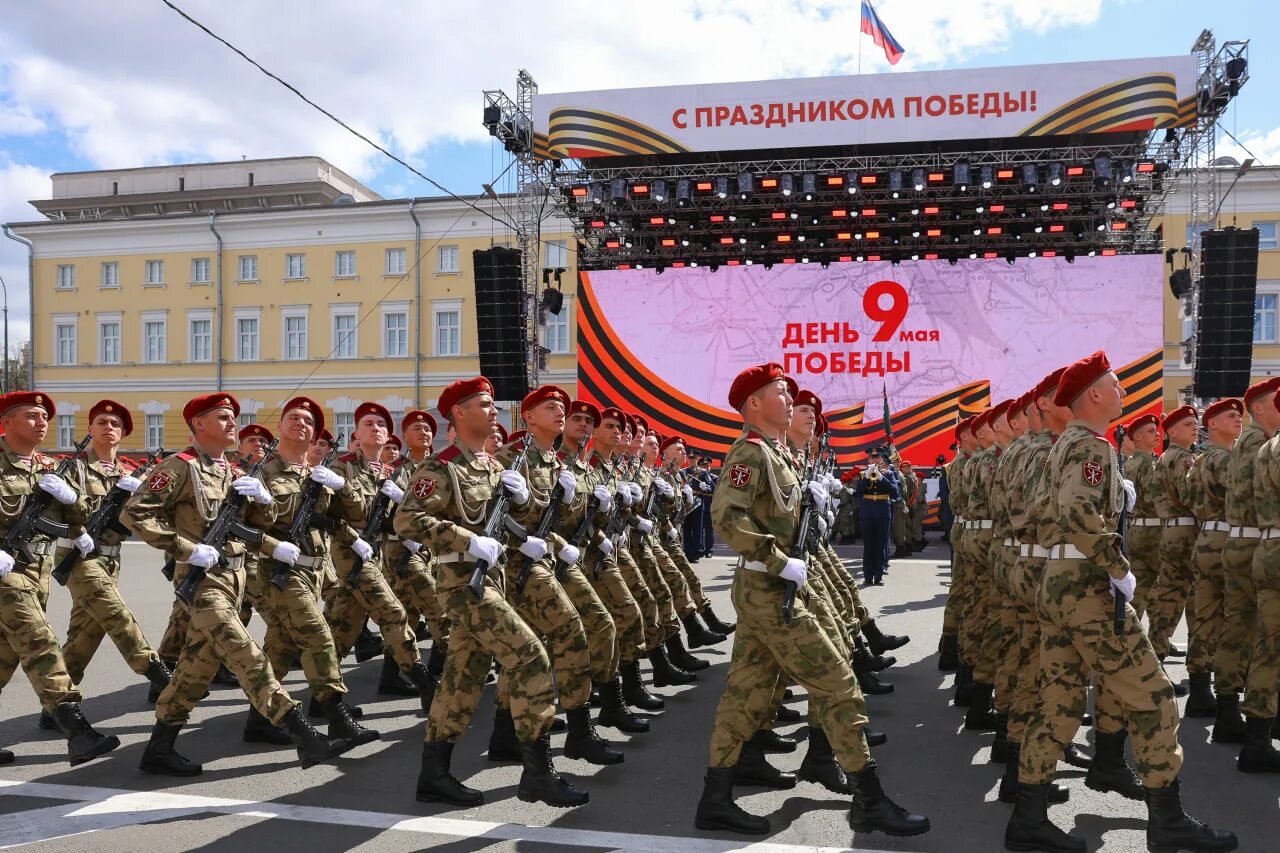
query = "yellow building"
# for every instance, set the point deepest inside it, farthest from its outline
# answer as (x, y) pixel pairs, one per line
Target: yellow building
(263, 278)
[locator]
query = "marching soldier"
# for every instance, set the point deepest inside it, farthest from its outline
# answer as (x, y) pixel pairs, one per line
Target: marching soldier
(948, 643)
(983, 601)
(1146, 525)
(25, 636)
(181, 498)
(1177, 540)
(254, 439)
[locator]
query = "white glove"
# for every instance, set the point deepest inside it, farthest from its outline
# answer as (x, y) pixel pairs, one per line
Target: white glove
(687, 491)
(604, 500)
(569, 483)
(362, 549)
(392, 491)
(252, 488)
(411, 546)
(624, 495)
(795, 571)
(85, 543)
(533, 548)
(485, 548)
(286, 552)
(645, 525)
(1125, 586)
(606, 548)
(833, 506)
(831, 516)
(129, 484)
(822, 525)
(569, 555)
(834, 487)
(6, 563)
(1131, 495)
(515, 484)
(204, 556)
(56, 486)
(664, 488)
(637, 493)
(673, 535)
(327, 478)
(814, 488)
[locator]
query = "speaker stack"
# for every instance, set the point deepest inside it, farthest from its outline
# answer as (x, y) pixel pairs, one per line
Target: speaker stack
(500, 322)
(1224, 312)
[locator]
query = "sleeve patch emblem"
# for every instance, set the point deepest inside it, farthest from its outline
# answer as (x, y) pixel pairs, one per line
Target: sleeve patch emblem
(1092, 473)
(423, 488)
(159, 481)
(739, 475)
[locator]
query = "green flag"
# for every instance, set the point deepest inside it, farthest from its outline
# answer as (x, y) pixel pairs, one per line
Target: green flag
(888, 424)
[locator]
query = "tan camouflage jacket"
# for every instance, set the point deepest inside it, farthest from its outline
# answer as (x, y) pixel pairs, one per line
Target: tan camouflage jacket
(393, 548)
(571, 517)
(982, 473)
(1207, 484)
(1023, 486)
(1142, 470)
(607, 474)
(1008, 471)
(1085, 496)
(1266, 483)
(959, 495)
(540, 470)
(1173, 498)
(19, 480)
(1240, 508)
(174, 508)
(286, 482)
(351, 504)
(94, 478)
(756, 506)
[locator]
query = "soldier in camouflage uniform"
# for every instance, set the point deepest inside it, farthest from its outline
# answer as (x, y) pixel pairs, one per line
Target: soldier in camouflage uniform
(1207, 490)
(26, 639)
(1177, 541)
(445, 508)
(977, 534)
(1085, 573)
(949, 642)
(254, 439)
(1146, 525)
(983, 600)
(181, 498)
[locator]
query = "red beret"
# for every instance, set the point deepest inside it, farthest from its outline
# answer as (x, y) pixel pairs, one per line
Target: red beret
(999, 412)
(1077, 378)
(628, 423)
(792, 388)
(207, 403)
(540, 395)
(752, 380)
(1050, 383)
(370, 408)
(613, 413)
(501, 431)
(257, 430)
(808, 398)
(980, 421)
(1142, 420)
(638, 422)
(965, 425)
(27, 398)
(308, 405)
(325, 435)
(582, 407)
(516, 436)
(668, 442)
(1179, 414)
(1225, 405)
(394, 441)
(111, 407)
(417, 416)
(1260, 389)
(460, 391)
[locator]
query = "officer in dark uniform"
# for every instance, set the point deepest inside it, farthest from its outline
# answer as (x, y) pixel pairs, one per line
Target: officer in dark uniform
(875, 491)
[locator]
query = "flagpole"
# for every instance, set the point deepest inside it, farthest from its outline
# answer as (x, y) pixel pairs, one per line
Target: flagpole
(859, 43)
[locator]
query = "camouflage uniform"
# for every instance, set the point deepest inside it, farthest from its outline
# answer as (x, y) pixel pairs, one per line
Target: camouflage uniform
(1264, 667)
(652, 560)
(1177, 541)
(959, 561)
(628, 584)
(171, 512)
(1085, 498)
(1145, 527)
(413, 580)
(1207, 489)
(446, 503)
(983, 599)
(1240, 595)
(1005, 551)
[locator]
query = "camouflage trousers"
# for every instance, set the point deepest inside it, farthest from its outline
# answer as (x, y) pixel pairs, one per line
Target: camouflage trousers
(349, 606)
(415, 588)
(899, 523)
(175, 633)
(639, 552)
(1239, 617)
(656, 627)
(1264, 668)
(951, 613)
(1205, 611)
(97, 610)
(847, 520)
(983, 608)
(296, 628)
(483, 630)
(918, 513)
(765, 649)
(1177, 576)
(854, 611)
(681, 599)
(216, 635)
(623, 609)
(1024, 592)
(26, 639)
(1078, 637)
(545, 607)
(252, 590)
(675, 553)
(597, 623)
(1144, 562)
(1003, 627)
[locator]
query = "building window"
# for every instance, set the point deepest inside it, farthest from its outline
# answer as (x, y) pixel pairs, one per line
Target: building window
(155, 272)
(557, 255)
(447, 259)
(448, 326)
(397, 261)
(155, 432)
(64, 340)
(110, 274)
(246, 418)
(344, 335)
(109, 342)
(153, 341)
(395, 334)
(201, 342)
(295, 266)
(295, 336)
(1266, 235)
(344, 424)
(344, 264)
(1264, 319)
(555, 334)
(248, 268)
(247, 346)
(66, 432)
(200, 271)
(66, 276)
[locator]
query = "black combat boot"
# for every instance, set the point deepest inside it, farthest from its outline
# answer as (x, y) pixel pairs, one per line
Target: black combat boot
(503, 745)
(679, 655)
(873, 811)
(436, 784)
(666, 673)
(224, 678)
(159, 676)
(820, 764)
(1175, 652)
(713, 622)
(869, 661)
(1029, 827)
(312, 746)
(154, 691)
(1008, 792)
(83, 743)
(342, 726)
(583, 741)
(1170, 830)
(1000, 746)
(873, 685)
(539, 781)
(1110, 771)
(46, 722)
(426, 684)
(614, 713)
(435, 659)
(1201, 702)
(787, 715)
(698, 635)
(1073, 756)
(258, 729)
(421, 631)
(964, 686)
(368, 645)
(770, 741)
(161, 759)
(874, 738)
(6, 756)
(948, 653)
(1258, 755)
(392, 682)
(1229, 727)
(633, 690)
(717, 810)
(980, 717)
(880, 642)
(316, 711)
(753, 770)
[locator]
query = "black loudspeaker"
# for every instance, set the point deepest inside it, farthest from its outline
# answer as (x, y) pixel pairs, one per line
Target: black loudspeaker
(1224, 312)
(500, 322)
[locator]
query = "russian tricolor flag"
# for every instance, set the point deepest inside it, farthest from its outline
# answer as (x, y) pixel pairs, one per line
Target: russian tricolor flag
(874, 27)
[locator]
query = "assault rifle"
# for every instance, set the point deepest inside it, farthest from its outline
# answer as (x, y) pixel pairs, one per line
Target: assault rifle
(106, 517)
(1123, 528)
(375, 525)
(546, 524)
(224, 526)
(497, 521)
(301, 526)
(613, 528)
(808, 522)
(31, 521)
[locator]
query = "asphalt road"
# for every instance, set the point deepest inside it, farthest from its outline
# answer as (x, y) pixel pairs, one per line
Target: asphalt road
(254, 798)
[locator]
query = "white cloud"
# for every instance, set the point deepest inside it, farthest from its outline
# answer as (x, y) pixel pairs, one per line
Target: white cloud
(1263, 146)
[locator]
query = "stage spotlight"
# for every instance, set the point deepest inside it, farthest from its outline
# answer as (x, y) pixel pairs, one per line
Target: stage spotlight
(851, 182)
(768, 265)
(960, 178)
(746, 185)
(988, 176)
(660, 268)
(895, 261)
(552, 300)
(1101, 170)
(618, 189)
(597, 193)
(682, 192)
(1030, 177)
(952, 260)
(1125, 168)
(895, 182)
(973, 255)
(713, 266)
(722, 187)
(1010, 258)
(1055, 174)
(659, 190)
(917, 179)
(788, 185)
(809, 185)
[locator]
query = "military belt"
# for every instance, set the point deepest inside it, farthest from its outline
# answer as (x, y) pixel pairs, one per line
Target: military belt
(1216, 527)
(40, 547)
(1270, 533)
(103, 550)
(1146, 522)
(1009, 542)
(309, 562)
(753, 565)
(455, 557)
(1181, 521)
(391, 537)
(960, 519)
(234, 564)
(875, 497)
(1033, 551)
(1066, 552)
(980, 524)
(1245, 533)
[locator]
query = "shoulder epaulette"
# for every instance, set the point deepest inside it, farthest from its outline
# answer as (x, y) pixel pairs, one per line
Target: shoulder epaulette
(753, 437)
(449, 454)
(187, 455)
(349, 457)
